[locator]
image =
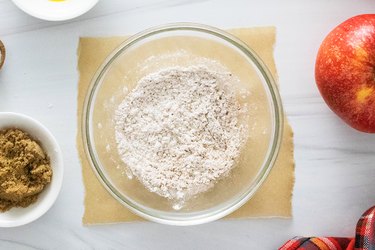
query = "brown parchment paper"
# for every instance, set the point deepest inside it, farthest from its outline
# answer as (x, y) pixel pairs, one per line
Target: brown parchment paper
(273, 199)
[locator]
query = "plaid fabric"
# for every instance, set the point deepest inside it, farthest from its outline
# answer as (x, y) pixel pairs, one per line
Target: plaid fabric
(364, 239)
(317, 243)
(365, 232)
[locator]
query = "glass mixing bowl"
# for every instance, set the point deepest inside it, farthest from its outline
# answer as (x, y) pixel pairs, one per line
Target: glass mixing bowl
(182, 44)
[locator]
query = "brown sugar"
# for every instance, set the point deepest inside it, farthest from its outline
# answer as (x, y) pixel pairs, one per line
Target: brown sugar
(24, 169)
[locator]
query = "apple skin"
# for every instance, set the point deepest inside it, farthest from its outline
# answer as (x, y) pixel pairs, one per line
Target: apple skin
(345, 71)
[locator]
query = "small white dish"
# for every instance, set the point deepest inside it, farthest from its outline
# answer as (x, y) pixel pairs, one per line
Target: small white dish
(55, 10)
(21, 216)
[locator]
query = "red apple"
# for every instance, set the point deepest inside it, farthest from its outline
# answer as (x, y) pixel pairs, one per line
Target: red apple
(345, 71)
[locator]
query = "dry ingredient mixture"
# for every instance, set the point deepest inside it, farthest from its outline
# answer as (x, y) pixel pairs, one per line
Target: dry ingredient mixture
(179, 130)
(24, 169)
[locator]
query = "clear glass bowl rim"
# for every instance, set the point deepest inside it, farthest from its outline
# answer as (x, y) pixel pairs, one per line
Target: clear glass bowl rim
(167, 218)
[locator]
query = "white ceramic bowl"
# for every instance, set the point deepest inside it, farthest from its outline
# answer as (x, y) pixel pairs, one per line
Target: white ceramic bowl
(21, 216)
(55, 10)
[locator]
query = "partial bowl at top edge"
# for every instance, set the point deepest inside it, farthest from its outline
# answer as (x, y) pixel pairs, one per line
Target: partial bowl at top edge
(51, 10)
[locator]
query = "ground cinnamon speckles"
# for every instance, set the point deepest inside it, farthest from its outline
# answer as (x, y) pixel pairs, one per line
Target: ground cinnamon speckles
(24, 169)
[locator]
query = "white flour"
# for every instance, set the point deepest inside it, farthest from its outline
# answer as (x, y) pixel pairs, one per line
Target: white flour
(178, 130)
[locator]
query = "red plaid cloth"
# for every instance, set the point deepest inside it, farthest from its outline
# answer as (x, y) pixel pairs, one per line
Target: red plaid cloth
(364, 239)
(365, 232)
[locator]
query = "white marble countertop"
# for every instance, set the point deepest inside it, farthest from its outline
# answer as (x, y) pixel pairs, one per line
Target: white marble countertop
(335, 165)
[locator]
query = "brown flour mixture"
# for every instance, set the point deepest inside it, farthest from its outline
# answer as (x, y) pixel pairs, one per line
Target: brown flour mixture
(24, 169)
